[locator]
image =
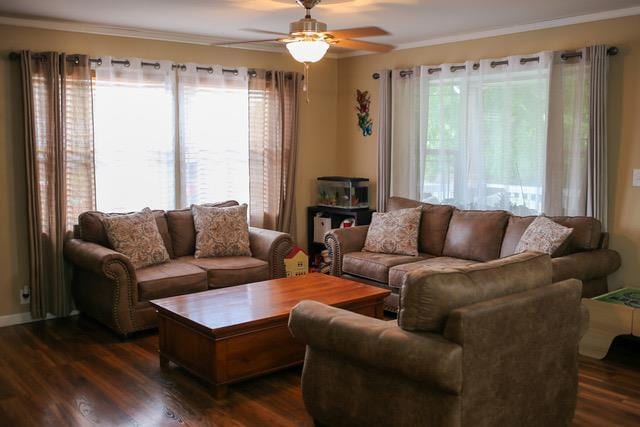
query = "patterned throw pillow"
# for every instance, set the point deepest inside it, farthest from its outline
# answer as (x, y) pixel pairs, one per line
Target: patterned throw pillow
(543, 235)
(394, 232)
(137, 236)
(221, 231)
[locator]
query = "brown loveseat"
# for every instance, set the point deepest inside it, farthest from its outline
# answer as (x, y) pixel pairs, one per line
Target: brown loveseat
(495, 344)
(106, 286)
(450, 237)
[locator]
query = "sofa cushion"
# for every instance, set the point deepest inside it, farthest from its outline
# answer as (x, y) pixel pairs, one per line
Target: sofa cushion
(182, 230)
(397, 273)
(433, 224)
(136, 235)
(585, 236)
(170, 279)
(375, 266)
(586, 232)
(428, 296)
(543, 235)
(231, 270)
(92, 230)
(394, 232)
(515, 229)
(475, 235)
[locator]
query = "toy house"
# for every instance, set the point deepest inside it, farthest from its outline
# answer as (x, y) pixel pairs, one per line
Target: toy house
(296, 262)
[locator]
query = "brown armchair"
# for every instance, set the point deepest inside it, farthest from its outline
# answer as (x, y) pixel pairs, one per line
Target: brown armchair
(107, 288)
(491, 345)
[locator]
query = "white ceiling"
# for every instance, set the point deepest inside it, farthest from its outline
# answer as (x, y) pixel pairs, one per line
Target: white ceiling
(408, 21)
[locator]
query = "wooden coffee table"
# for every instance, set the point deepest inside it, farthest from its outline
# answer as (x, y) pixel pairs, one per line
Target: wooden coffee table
(231, 334)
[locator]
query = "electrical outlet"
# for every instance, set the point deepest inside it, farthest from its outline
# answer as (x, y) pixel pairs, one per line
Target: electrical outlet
(636, 178)
(25, 295)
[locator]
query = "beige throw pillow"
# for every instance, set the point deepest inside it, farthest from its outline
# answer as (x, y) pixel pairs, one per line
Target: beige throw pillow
(221, 231)
(136, 235)
(543, 235)
(394, 232)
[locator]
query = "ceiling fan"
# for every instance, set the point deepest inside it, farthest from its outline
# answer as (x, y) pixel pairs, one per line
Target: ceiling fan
(308, 38)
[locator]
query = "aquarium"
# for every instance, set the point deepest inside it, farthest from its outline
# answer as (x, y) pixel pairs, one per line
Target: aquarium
(343, 192)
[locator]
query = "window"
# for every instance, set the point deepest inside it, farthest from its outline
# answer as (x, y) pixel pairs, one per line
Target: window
(214, 138)
(168, 138)
(485, 136)
(134, 141)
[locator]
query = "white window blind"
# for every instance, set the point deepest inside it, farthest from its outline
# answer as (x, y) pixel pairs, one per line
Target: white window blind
(214, 135)
(134, 126)
(145, 157)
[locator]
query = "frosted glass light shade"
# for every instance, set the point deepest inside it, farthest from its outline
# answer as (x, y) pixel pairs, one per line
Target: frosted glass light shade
(308, 50)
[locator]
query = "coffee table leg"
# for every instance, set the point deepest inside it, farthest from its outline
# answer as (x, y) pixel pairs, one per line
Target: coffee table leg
(220, 391)
(164, 361)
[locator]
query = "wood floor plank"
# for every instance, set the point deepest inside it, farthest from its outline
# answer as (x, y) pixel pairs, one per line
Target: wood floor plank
(74, 372)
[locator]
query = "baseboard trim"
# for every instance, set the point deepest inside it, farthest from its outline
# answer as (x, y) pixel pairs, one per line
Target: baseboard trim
(20, 318)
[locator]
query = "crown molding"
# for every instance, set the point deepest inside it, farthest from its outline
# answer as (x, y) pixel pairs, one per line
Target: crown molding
(108, 30)
(542, 25)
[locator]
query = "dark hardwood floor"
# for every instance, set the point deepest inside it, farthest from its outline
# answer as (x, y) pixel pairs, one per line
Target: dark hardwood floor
(73, 371)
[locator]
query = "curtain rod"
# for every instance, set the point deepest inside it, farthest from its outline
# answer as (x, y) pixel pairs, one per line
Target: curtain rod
(156, 65)
(564, 56)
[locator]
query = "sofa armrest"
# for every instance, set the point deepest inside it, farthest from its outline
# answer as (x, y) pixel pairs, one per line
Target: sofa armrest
(586, 265)
(344, 240)
(521, 351)
(270, 246)
(378, 344)
(96, 258)
(104, 284)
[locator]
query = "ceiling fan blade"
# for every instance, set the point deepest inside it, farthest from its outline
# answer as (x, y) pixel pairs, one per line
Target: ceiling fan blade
(276, 33)
(351, 33)
(360, 45)
(244, 41)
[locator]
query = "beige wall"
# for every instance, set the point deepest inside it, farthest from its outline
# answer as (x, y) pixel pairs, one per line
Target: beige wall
(358, 156)
(317, 126)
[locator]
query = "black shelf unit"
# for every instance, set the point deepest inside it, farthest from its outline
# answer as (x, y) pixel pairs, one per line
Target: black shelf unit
(337, 215)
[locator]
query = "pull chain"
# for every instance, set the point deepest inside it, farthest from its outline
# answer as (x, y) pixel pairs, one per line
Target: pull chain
(305, 83)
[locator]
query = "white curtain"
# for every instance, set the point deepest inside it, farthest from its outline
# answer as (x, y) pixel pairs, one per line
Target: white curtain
(214, 133)
(568, 137)
(406, 163)
(484, 131)
(134, 128)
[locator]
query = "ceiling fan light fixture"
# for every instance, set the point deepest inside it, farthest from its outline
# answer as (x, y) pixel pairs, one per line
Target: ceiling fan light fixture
(306, 51)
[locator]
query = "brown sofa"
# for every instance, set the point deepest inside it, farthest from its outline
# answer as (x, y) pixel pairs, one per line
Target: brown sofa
(473, 346)
(106, 287)
(450, 237)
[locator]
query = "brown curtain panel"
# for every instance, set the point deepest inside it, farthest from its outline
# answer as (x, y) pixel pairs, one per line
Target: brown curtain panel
(384, 140)
(273, 140)
(597, 194)
(58, 125)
